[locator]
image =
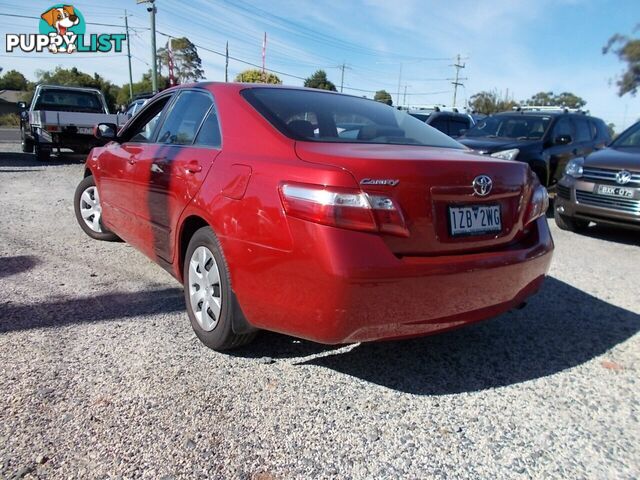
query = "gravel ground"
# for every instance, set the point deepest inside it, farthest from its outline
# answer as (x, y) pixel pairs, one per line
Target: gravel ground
(102, 377)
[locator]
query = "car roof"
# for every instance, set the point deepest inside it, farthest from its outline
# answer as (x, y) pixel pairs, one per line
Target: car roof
(544, 114)
(66, 87)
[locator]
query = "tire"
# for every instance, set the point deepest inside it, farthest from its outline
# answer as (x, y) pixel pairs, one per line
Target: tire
(42, 154)
(86, 203)
(26, 144)
(215, 331)
(569, 224)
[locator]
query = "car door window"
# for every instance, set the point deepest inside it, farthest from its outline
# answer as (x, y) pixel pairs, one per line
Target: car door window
(583, 132)
(184, 118)
(209, 134)
(144, 125)
(563, 128)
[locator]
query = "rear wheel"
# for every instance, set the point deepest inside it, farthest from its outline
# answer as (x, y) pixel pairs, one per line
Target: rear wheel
(569, 224)
(208, 294)
(89, 211)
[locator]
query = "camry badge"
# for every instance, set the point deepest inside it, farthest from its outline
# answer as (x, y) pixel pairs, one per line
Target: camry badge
(482, 185)
(380, 181)
(623, 177)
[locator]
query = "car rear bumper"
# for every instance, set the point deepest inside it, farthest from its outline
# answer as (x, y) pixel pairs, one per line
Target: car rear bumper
(575, 199)
(340, 286)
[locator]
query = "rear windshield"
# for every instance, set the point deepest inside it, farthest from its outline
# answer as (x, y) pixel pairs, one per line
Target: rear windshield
(69, 101)
(519, 127)
(328, 117)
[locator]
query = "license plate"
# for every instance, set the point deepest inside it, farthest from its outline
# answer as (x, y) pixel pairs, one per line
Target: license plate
(474, 220)
(85, 131)
(614, 191)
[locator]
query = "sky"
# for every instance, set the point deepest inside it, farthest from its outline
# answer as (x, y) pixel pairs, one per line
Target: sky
(516, 48)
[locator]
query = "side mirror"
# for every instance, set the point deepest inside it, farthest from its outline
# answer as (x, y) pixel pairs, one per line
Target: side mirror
(105, 132)
(22, 106)
(562, 140)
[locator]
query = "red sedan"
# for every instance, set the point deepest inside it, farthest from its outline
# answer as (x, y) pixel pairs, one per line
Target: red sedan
(324, 216)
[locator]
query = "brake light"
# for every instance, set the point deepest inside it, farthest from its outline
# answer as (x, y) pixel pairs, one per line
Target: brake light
(52, 128)
(343, 207)
(538, 204)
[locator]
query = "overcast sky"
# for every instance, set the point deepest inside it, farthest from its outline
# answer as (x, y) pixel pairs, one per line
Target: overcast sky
(519, 47)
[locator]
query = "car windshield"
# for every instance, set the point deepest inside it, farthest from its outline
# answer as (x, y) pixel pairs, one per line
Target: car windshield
(69, 101)
(328, 117)
(629, 138)
(520, 127)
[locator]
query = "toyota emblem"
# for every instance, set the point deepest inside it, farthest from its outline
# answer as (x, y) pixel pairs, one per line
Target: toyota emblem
(482, 185)
(623, 177)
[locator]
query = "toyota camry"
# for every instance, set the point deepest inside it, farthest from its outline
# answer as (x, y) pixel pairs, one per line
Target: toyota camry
(324, 216)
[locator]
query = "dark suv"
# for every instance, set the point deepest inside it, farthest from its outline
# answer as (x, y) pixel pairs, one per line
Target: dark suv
(453, 124)
(546, 140)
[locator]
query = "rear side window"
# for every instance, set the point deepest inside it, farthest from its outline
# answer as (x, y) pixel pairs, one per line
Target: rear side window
(184, 118)
(209, 134)
(583, 131)
(319, 116)
(441, 124)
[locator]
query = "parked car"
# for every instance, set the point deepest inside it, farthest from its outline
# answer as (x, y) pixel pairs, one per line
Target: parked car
(249, 195)
(603, 188)
(62, 117)
(544, 139)
(453, 124)
(136, 105)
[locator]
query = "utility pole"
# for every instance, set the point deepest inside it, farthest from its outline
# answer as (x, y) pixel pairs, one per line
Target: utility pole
(226, 63)
(126, 27)
(457, 82)
(399, 81)
(154, 61)
(264, 57)
(343, 67)
(404, 98)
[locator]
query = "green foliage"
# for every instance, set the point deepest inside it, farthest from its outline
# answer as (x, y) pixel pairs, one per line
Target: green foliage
(187, 65)
(256, 76)
(490, 102)
(383, 96)
(75, 78)
(565, 99)
(13, 80)
(319, 80)
(628, 51)
(143, 86)
(10, 120)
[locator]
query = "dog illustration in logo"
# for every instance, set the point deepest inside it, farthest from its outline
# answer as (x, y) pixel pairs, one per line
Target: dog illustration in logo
(61, 19)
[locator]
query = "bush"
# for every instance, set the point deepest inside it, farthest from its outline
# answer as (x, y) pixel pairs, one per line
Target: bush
(10, 120)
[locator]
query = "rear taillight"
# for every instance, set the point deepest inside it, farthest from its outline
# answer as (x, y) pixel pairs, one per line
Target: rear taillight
(538, 204)
(343, 207)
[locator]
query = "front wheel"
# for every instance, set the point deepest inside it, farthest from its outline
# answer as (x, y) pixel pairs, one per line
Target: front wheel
(568, 223)
(89, 211)
(43, 154)
(208, 294)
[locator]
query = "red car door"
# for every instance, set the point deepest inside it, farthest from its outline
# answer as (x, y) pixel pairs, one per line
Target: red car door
(172, 169)
(118, 179)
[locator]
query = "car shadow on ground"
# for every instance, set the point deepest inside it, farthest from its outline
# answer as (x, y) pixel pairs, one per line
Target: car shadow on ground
(21, 160)
(95, 308)
(562, 327)
(612, 234)
(14, 265)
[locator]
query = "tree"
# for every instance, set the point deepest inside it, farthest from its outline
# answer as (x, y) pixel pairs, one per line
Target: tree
(256, 76)
(490, 102)
(143, 86)
(565, 99)
(187, 65)
(383, 96)
(628, 50)
(13, 80)
(75, 78)
(319, 80)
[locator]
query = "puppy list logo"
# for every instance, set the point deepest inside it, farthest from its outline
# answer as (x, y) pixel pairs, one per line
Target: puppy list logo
(62, 29)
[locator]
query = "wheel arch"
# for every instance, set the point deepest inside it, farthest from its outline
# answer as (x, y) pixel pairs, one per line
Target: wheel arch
(188, 227)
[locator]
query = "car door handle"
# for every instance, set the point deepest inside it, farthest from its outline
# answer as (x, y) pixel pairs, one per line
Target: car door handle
(193, 167)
